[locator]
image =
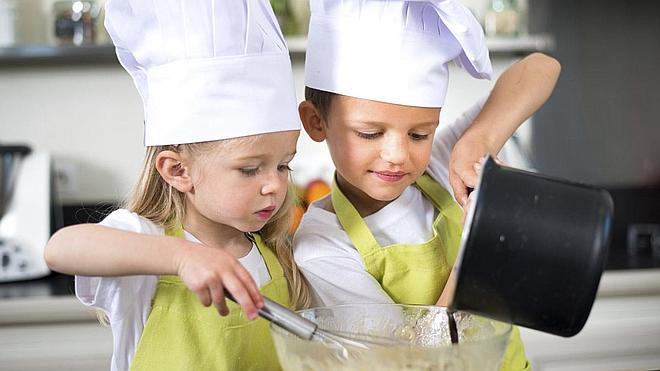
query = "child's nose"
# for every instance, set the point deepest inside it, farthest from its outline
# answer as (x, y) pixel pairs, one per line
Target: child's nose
(394, 150)
(274, 183)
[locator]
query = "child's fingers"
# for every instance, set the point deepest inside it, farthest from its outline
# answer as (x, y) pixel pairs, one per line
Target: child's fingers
(251, 286)
(477, 166)
(460, 190)
(470, 201)
(204, 296)
(236, 287)
(448, 292)
(218, 296)
(496, 159)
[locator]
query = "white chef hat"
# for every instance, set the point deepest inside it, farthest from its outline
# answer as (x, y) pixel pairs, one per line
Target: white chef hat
(206, 70)
(392, 51)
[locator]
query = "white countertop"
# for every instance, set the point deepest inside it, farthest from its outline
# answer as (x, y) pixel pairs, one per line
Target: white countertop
(630, 282)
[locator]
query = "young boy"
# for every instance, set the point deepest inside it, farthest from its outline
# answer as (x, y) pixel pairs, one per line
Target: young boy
(376, 79)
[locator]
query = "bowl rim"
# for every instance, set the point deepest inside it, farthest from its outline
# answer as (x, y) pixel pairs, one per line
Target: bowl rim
(506, 329)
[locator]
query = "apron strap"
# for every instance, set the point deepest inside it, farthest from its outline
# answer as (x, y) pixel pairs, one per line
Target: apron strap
(272, 264)
(438, 195)
(175, 231)
(448, 210)
(349, 218)
(355, 226)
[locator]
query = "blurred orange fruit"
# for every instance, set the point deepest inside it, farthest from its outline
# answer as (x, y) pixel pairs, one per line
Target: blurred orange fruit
(298, 212)
(315, 190)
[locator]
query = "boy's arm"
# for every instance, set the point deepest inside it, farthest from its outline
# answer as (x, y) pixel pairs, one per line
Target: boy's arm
(97, 250)
(521, 90)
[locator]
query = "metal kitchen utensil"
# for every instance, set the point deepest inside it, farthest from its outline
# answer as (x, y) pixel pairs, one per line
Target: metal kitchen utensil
(304, 328)
(453, 329)
(532, 250)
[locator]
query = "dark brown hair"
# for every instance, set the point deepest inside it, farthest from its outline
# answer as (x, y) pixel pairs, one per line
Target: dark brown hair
(320, 99)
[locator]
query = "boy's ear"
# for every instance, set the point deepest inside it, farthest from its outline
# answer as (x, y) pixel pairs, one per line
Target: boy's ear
(312, 120)
(171, 168)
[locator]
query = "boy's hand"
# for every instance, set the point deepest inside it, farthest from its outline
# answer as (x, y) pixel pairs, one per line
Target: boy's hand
(464, 165)
(448, 292)
(208, 272)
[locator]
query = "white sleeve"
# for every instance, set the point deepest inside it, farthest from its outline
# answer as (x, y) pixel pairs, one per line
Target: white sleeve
(118, 295)
(335, 275)
(444, 141)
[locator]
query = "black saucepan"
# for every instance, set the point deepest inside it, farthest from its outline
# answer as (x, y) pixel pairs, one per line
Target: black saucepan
(532, 250)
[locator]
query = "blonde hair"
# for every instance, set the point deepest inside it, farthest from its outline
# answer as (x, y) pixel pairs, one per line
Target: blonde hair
(156, 200)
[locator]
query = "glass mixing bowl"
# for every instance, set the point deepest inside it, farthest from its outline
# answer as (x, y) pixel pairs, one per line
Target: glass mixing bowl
(398, 337)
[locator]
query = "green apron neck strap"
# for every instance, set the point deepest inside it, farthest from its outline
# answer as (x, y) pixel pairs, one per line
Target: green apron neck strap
(274, 268)
(175, 231)
(355, 227)
(439, 196)
(273, 265)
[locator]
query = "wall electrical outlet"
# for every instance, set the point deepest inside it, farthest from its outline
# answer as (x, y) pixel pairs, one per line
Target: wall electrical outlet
(67, 178)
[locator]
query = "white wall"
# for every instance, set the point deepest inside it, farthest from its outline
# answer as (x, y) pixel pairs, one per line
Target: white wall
(90, 119)
(90, 116)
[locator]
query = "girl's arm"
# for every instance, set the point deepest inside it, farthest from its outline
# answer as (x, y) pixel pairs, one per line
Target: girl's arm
(521, 90)
(96, 250)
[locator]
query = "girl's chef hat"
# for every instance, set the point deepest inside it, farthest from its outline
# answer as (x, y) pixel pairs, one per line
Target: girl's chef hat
(392, 51)
(206, 70)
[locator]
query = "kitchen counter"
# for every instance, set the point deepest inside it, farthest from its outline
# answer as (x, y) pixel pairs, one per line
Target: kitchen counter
(621, 333)
(49, 299)
(629, 283)
(55, 284)
(42, 324)
(44, 327)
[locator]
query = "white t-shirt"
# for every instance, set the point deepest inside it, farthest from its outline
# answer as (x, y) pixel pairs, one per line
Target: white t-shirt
(127, 300)
(325, 254)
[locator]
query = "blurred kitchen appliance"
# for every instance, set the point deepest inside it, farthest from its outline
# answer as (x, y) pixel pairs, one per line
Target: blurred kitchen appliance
(644, 239)
(26, 201)
(7, 22)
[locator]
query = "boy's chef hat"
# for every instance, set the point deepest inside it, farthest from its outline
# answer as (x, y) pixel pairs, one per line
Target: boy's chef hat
(206, 70)
(392, 51)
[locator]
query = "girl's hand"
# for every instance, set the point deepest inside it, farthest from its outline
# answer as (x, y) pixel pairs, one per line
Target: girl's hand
(208, 272)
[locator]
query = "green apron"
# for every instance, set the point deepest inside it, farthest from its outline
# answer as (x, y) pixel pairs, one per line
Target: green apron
(417, 273)
(182, 334)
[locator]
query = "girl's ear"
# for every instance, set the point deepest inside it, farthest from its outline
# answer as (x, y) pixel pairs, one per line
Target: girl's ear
(312, 120)
(171, 168)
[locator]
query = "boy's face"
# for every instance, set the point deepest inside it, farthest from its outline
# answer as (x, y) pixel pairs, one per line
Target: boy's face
(378, 148)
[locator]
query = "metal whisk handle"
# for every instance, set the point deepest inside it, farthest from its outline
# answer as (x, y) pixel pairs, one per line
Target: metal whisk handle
(284, 317)
(287, 319)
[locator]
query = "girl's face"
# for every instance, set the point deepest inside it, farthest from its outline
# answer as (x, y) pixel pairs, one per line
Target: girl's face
(242, 182)
(378, 148)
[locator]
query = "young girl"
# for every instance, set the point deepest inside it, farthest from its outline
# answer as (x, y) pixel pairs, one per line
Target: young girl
(211, 210)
